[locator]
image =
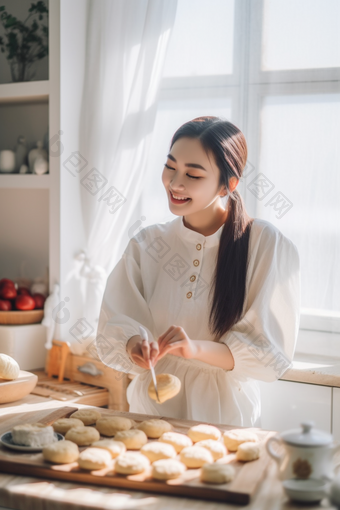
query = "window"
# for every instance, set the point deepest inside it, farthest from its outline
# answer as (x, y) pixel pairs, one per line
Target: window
(272, 67)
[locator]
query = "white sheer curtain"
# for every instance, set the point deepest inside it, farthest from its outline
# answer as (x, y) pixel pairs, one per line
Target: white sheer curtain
(126, 47)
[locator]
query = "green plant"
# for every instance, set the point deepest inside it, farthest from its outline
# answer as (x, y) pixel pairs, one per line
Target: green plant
(25, 43)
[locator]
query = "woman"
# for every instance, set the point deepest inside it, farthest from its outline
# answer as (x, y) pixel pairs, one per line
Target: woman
(217, 291)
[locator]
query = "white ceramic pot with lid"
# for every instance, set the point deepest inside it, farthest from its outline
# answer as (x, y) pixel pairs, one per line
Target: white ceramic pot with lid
(307, 453)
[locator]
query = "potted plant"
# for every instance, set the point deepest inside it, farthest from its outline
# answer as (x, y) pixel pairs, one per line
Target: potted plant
(26, 41)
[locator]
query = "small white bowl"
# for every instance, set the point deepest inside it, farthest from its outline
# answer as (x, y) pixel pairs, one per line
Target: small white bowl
(311, 490)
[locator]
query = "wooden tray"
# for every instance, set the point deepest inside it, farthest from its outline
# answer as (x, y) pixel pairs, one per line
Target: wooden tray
(240, 490)
(21, 316)
(10, 391)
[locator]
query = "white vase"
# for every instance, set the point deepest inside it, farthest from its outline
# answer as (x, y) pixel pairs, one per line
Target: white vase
(7, 161)
(38, 160)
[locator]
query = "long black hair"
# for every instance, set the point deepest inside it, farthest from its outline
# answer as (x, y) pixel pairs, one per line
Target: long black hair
(228, 146)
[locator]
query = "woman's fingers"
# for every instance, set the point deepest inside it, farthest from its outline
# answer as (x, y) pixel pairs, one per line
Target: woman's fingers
(154, 351)
(145, 350)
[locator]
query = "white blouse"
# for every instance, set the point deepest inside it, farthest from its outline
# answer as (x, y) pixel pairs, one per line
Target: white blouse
(163, 279)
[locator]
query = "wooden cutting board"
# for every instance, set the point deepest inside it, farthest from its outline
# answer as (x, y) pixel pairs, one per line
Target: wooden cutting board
(247, 478)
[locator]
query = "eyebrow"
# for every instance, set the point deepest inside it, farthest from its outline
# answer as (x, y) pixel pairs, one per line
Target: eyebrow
(191, 165)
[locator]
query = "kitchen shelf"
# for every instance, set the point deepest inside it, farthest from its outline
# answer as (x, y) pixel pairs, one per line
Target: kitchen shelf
(23, 92)
(30, 181)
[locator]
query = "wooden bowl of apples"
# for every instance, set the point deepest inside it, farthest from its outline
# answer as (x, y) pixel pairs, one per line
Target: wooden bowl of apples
(18, 305)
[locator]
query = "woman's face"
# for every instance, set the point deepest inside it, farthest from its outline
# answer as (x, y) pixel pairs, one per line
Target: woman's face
(191, 173)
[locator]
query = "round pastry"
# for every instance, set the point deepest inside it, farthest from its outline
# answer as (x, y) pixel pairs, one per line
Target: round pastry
(131, 463)
(87, 416)
(168, 387)
(217, 473)
(157, 450)
(154, 428)
(62, 452)
(216, 448)
(167, 469)
(110, 425)
(82, 436)
(114, 447)
(202, 431)
(94, 458)
(177, 440)
(9, 368)
(65, 424)
(33, 434)
(195, 456)
(233, 438)
(248, 451)
(133, 439)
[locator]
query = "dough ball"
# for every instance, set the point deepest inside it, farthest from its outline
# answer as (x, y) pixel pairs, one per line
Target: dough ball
(62, 452)
(201, 432)
(9, 368)
(248, 451)
(217, 473)
(154, 428)
(131, 463)
(168, 387)
(216, 448)
(110, 425)
(33, 434)
(114, 447)
(167, 469)
(195, 456)
(177, 440)
(65, 424)
(87, 416)
(133, 439)
(94, 458)
(157, 450)
(82, 436)
(233, 438)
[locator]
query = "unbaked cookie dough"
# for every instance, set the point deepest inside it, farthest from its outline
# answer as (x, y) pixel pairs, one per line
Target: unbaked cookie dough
(167, 469)
(114, 447)
(154, 428)
(9, 368)
(110, 425)
(131, 463)
(168, 386)
(177, 440)
(216, 448)
(157, 450)
(217, 473)
(94, 458)
(33, 434)
(248, 451)
(83, 436)
(202, 431)
(87, 416)
(62, 452)
(64, 424)
(133, 439)
(233, 438)
(195, 456)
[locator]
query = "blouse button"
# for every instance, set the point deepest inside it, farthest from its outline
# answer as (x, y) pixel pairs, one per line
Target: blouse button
(196, 262)
(192, 278)
(198, 246)
(189, 294)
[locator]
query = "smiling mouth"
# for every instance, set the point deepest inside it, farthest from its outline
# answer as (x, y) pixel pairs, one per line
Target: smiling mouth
(178, 201)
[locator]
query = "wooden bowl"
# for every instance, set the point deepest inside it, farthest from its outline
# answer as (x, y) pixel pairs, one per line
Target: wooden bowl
(21, 317)
(10, 391)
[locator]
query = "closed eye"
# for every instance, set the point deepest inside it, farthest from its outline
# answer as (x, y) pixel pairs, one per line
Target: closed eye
(191, 176)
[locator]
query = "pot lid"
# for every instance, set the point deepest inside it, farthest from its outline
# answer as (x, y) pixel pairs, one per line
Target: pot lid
(307, 436)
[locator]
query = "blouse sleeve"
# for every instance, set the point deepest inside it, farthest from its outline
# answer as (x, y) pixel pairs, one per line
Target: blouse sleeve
(123, 310)
(263, 341)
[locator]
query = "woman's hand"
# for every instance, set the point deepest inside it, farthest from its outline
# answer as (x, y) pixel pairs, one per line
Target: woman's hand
(176, 342)
(142, 352)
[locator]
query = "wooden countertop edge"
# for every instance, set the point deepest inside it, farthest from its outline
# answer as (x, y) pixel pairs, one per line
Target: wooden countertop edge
(311, 376)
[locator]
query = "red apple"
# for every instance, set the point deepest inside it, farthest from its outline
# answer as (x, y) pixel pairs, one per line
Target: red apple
(8, 291)
(24, 303)
(23, 291)
(5, 305)
(39, 300)
(6, 281)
